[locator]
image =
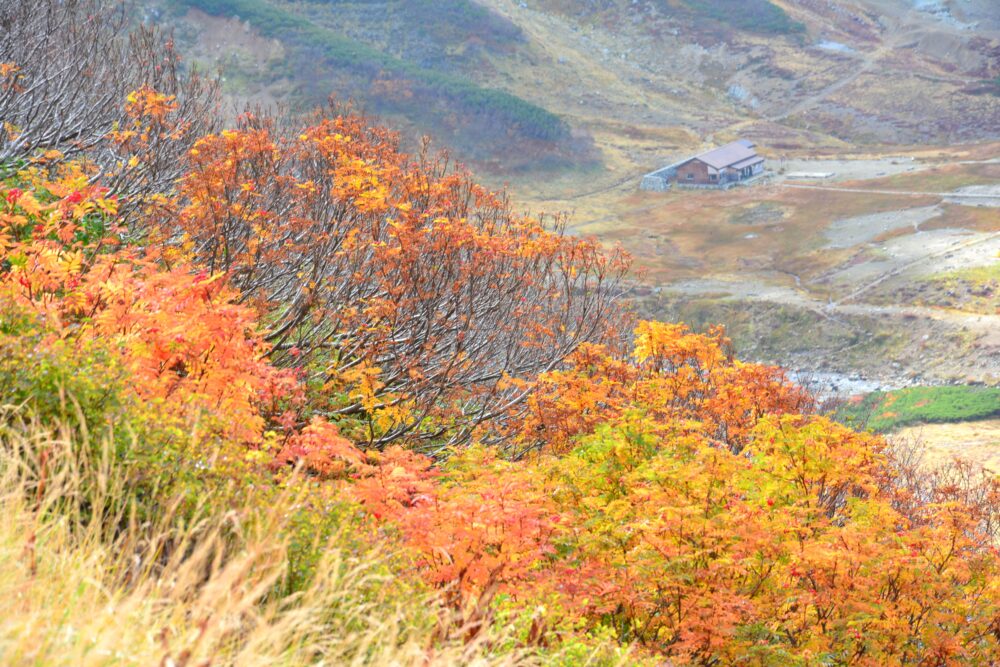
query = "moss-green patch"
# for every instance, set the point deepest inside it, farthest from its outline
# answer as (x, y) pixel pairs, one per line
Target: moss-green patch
(362, 61)
(759, 16)
(888, 411)
(975, 274)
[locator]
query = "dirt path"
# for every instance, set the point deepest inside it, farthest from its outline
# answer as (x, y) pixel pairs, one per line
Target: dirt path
(982, 324)
(902, 193)
(867, 63)
(915, 262)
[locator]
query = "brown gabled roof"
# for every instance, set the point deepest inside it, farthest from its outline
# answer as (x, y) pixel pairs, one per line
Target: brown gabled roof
(746, 163)
(728, 155)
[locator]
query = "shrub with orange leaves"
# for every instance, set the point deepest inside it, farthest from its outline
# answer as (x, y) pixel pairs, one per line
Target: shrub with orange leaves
(676, 376)
(183, 341)
(320, 449)
(786, 544)
(412, 295)
(673, 498)
(78, 81)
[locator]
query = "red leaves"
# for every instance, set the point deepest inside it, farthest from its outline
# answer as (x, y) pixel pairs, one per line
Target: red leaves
(681, 500)
(479, 532)
(321, 450)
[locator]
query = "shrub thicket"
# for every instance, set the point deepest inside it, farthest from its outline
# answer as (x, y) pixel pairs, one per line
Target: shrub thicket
(210, 445)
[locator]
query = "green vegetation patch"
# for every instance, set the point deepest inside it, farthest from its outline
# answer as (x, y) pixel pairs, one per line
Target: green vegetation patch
(759, 16)
(361, 60)
(447, 21)
(888, 411)
(978, 274)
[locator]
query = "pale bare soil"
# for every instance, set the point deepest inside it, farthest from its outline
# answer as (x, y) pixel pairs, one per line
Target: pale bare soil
(974, 441)
(849, 232)
(844, 169)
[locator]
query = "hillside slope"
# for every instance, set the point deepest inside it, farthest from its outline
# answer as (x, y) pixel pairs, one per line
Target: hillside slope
(884, 272)
(516, 85)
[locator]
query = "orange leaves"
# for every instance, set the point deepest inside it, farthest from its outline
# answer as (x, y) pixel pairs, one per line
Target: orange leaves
(398, 480)
(45, 229)
(420, 290)
(480, 527)
(672, 347)
(148, 119)
(186, 346)
(721, 523)
(10, 77)
(183, 343)
(183, 340)
(148, 102)
(321, 450)
(566, 404)
(678, 499)
(8, 69)
(677, 375)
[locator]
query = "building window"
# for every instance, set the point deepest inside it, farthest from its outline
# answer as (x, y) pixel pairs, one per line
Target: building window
(712, 177)
(690, 177)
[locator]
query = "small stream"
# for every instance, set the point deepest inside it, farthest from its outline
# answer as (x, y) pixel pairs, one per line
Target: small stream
(828, 384)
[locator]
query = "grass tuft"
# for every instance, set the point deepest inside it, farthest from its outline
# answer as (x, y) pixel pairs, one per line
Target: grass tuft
(83, 582)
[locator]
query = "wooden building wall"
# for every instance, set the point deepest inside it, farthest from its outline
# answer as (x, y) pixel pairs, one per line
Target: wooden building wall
(695, 172)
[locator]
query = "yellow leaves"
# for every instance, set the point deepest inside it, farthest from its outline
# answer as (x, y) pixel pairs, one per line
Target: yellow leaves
(817, 458)
(10, 78)
(652, 338)
(29, 204)
(364, 383)
(673, 343)
(107, 206)
(692, 511)
(146, 101)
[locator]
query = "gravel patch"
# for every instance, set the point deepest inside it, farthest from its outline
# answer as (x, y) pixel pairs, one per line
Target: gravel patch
(850, 232)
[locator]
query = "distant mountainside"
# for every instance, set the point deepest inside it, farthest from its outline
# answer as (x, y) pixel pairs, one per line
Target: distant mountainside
(422, 63)
(522, 87)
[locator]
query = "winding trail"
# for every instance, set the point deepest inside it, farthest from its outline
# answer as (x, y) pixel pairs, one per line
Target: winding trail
(901, 193)
(982, 324)
(868, 62)
(915, 262)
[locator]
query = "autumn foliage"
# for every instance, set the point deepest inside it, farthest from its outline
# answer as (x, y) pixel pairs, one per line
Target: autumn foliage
(414, 297)
(331, 311)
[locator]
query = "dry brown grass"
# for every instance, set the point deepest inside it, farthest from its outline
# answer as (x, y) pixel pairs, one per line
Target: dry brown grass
(687, 234)
(976, 441)
(975, 218)
(82, 582)
(943, 178)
